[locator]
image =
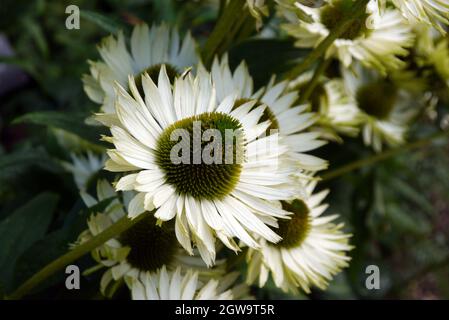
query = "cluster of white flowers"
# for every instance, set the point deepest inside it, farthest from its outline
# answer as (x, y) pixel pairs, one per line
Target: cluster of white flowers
(263, 206)
(376, 91)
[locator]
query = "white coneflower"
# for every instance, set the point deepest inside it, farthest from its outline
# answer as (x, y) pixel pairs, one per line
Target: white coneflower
(386, 104)
(149, 49)
(145, 247)
(312, 251)
(430, 12)
(84, 168)
(165, 285)
(226, 197)
(289, 119)
(432, 51)
(440, 59)
(337, 114)
(258, 9)
(377, 39)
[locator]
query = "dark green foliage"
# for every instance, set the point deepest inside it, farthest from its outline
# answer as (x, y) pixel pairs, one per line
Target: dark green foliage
(22, 229)
(73, 123)
(266, 57)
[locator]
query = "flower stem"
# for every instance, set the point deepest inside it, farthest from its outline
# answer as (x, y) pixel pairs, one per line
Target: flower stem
(357, 10)
(232, 13)
(232, 35)
(120, 226)
(246, 29)
(308, 90)
(381, 156)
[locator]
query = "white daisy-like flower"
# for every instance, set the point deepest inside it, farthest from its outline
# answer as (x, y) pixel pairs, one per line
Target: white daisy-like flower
(312, 251)
(289, 119)
(226, 197)
(149, 49)
(430, 12)
(257, 9)
(166, 285)
(377, 39)
(386, 104)
(84, 168)
(337, 114)
(439, 58)
(145, 247)
(292, 12)
(432, 51)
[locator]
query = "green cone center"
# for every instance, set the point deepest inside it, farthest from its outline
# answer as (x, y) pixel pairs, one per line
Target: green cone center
(295, 230)
(336, 12)
(208, 162)
(151, 246)
(377, 99)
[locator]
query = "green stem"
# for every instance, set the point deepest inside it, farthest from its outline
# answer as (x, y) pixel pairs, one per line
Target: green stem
(358, 9)
(308, 90)
(381, 156)
(232, 12)
(233, 32)
(247, 27)
(221, 7)
(120, 226)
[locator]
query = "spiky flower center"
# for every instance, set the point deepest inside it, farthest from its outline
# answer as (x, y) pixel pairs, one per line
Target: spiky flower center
(377, 99)
(153, 73)
(267, 113)
(336, 12)
(295, 230)
(199, 162)
(152, 246)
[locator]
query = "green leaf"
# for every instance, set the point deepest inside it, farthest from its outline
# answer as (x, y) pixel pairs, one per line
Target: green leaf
(19, 167)
(40, 254)
(23, 64)
(15, 163)
(265, 57)
(54, 245)
(413, 195)
(37, 35)
(21, 229)
(165, 10)
(11, 11)
(73, 123)
(106, 23)
(407, 221)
